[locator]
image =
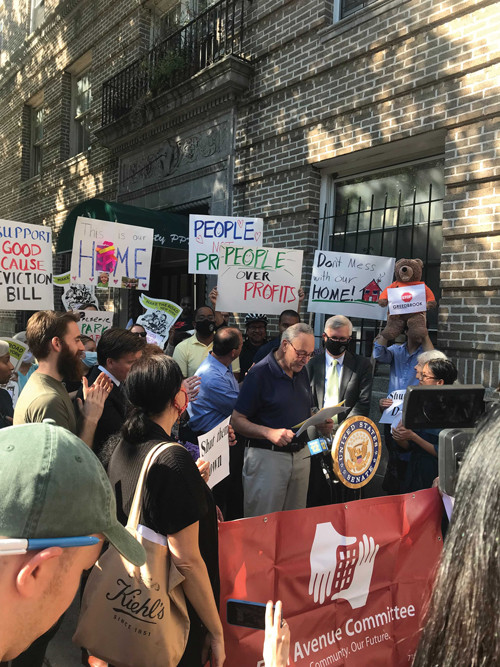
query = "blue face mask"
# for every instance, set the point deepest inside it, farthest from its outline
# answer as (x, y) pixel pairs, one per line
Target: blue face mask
(90, 359)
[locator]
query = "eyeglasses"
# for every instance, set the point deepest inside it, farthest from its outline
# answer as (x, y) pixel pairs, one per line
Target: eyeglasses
(300, 354)
(142, 334)
(14, 546)
(427, 377)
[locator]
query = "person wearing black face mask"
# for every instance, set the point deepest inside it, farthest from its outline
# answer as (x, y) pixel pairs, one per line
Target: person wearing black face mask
(336, 376)
(190, 353)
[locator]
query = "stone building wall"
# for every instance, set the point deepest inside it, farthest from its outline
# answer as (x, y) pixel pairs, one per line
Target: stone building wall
(395, 81)
(350, 94)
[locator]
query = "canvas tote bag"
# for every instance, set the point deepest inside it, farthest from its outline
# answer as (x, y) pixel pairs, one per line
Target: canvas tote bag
(135, 616)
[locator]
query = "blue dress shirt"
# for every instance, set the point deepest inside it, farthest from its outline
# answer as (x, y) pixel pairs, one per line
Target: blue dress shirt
(217, 396)
(402, 373)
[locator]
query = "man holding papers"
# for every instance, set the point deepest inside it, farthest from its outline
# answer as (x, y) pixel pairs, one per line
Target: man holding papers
(275, 396)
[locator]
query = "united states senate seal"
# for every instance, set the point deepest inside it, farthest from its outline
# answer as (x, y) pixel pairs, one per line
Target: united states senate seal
(356, 451)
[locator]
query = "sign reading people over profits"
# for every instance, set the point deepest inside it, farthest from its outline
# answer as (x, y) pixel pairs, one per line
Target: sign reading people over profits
(261, 280)
(349, 284)
(208, 232)
(25, 266)
(108, 254)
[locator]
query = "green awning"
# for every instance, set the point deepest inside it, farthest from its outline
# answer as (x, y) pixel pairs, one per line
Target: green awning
(170, 230)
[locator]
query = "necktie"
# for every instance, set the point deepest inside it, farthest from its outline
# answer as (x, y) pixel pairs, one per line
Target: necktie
(332, 386)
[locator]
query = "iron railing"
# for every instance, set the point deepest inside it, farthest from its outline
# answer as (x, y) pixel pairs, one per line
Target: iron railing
(208, 38)
(405, 229)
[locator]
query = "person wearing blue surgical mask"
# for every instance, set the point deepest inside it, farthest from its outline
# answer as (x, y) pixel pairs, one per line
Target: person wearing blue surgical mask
(89, 360)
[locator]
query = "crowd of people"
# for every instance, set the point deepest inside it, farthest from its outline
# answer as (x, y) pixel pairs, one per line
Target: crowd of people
(108, 405)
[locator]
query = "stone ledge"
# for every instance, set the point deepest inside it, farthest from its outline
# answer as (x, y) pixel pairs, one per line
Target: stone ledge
(215, 85)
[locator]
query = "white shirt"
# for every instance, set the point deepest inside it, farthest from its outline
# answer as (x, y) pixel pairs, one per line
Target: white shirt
(110, 375)
(328, 366)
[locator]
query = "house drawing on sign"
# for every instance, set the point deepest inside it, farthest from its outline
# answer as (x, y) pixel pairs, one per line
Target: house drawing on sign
(371, 292)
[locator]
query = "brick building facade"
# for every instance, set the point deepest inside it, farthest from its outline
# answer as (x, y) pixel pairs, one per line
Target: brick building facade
(365, 125)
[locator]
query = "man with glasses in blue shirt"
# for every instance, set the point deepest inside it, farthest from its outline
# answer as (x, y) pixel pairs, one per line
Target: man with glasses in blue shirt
(274, 397)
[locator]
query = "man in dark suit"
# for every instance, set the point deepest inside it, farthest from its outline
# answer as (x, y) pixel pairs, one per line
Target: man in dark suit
(117, 351)
(337, 375)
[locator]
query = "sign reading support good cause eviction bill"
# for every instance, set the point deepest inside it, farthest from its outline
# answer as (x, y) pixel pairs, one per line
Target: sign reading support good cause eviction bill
(408, 299)
(214, 448)
(208, 232)
(349, 284)
(260, 280)
(108, 254)
(25, 267)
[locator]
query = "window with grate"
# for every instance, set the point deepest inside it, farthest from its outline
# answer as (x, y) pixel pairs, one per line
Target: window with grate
(36, 141)
(37, 14)
(82, 100)
(344, 8)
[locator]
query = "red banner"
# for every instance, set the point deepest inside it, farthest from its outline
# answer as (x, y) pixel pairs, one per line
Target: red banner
(353, 579)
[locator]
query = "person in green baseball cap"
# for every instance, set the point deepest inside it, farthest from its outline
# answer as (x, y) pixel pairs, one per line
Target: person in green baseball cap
(57, 507)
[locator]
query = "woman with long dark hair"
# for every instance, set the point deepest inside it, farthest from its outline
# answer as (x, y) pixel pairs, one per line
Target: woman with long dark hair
(462, 625)
(177, 502)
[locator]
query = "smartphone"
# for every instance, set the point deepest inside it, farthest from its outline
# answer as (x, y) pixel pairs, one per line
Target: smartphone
(246, 614)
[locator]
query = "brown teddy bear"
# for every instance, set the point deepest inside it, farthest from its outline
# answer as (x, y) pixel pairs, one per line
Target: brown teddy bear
(407, 272)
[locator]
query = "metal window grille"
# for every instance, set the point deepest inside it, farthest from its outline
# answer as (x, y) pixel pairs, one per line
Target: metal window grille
(37, 13)
(208, 38)
(82, 103)
(405, 229)
(36, 141)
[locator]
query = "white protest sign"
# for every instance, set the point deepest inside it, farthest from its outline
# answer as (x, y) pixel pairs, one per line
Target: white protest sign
(108, 254)
(75, 296)
(349, 284)
(259, 280)
(16, 351)
(94, 323)
(208, 232)
(13, 388)
(408, 299)
(214, 448)
(393, 412)
(26, 267)
(158, 319)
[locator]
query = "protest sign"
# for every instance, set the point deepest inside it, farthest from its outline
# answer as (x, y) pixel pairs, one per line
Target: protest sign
(260, 280)
(108, 254)
(214, 448)
(94, 323)
(354, 578)
(13, 388)
(408, 299)
(26, 266)
(394, 411)
(208, 232)
(349, 284)
(158, 319)
(16, 351)
(75, 296)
